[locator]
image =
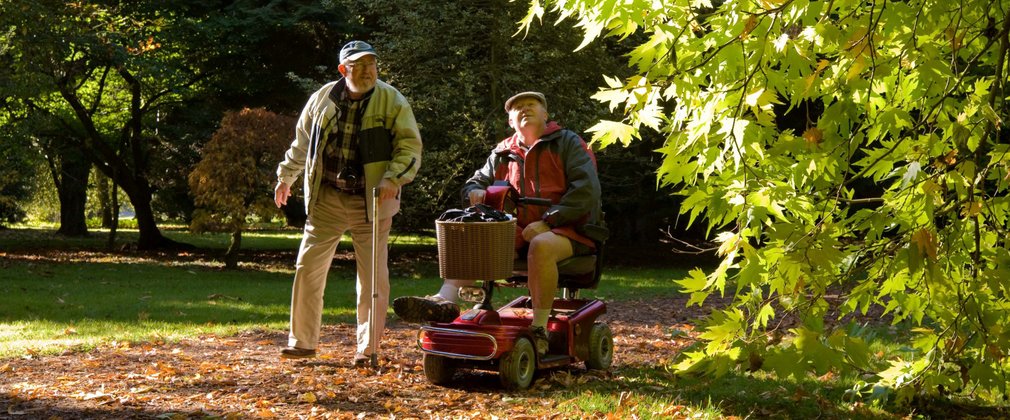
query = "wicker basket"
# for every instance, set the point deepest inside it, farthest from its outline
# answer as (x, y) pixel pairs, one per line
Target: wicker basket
(475, 250)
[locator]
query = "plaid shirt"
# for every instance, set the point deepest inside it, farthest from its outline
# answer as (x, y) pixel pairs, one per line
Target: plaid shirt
(341, 152)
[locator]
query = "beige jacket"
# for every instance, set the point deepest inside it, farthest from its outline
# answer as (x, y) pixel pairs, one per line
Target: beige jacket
(389, 143)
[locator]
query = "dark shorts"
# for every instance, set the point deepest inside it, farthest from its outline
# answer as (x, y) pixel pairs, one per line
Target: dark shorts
(578, 248)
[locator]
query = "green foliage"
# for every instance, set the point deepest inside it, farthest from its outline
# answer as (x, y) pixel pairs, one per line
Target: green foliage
(44, 205)
(457, 82)
(17, 175)
(848, 157)
(20, 173)
(271, 45)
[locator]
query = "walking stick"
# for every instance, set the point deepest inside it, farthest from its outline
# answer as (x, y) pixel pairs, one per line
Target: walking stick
(372, 339)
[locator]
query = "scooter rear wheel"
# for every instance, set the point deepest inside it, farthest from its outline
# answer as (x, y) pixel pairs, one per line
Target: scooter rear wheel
(439, 369)
(517, 367)
(601, 347)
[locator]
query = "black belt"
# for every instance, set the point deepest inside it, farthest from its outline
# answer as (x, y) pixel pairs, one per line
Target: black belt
(348, 191)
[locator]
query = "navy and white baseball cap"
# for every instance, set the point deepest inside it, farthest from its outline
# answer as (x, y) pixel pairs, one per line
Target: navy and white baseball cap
(356, 49)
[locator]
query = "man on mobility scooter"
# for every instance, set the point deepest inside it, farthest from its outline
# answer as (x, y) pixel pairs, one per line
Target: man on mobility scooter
(541, 160)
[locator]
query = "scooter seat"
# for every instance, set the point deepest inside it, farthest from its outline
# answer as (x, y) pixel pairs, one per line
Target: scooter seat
(577, 266)
(573, 266)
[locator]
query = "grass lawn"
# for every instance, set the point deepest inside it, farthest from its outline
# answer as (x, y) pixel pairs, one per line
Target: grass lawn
(76, 299)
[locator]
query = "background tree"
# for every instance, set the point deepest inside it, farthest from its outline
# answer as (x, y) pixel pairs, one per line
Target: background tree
(102, 199)
(231, 184)
(68, 170)
(846, 155)
(458, 62)
(125, 81)
(90, 62)
(277, 53)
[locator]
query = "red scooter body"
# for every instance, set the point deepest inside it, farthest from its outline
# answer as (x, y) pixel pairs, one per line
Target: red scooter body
(481, 334)
(499, 339)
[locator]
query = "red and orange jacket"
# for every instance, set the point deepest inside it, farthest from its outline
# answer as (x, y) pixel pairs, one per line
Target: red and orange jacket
(560, 167)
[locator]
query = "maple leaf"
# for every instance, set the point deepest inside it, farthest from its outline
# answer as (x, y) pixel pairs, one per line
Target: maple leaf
(971, 209)
(748, 27)
(925, 243)
(948, 159)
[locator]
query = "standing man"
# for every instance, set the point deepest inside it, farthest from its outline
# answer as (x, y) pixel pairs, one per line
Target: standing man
(553, 163)
(354, 135)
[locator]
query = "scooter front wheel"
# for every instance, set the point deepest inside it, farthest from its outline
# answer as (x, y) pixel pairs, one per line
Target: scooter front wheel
(439, 369)
(601, 347)
(517, 367)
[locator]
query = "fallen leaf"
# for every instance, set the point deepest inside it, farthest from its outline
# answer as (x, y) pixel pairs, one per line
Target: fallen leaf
(308, 397)
(95, 396)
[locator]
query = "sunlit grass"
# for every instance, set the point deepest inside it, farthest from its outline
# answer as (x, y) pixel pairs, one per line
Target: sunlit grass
(654, 391)
(83, 296)
(89, 298)
(47, 307)
(636, 283)
(273, 239)
(53, 336)
(78, 297)
(631, 404)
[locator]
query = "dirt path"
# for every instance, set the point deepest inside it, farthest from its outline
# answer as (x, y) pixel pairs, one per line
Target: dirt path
(242, 376)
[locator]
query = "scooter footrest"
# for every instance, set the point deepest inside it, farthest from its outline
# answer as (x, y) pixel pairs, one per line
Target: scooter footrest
(461, 339)
(553, 360)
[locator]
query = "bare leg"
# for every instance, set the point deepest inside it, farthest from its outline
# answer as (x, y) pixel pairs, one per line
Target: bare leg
(545, 251)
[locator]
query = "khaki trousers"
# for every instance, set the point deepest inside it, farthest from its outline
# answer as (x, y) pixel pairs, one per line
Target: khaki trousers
(333, 214)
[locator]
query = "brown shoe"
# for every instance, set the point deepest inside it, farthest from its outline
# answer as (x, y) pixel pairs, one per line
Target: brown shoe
(297, 353)
(425, 309)
(540, 340)
(360, 360)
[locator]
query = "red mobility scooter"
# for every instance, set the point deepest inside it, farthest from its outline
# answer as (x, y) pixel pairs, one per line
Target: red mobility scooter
(499, 339)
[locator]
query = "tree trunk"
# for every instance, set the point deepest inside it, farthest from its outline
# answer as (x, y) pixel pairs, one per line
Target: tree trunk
(138, 189)
(231, 257)
(150, 235)
(113, 217)
(70, 174)
(105, 202)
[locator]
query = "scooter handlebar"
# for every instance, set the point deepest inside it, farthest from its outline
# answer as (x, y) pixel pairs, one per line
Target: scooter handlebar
(535, 201)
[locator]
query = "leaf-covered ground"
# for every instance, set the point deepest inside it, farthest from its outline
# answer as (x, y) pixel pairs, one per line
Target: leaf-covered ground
(243, 377)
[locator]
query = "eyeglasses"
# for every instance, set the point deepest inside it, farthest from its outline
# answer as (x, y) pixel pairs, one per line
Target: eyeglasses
(361, 64)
